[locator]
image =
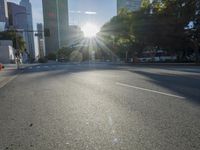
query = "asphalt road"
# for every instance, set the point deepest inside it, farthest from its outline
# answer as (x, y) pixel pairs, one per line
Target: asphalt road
(101, 107)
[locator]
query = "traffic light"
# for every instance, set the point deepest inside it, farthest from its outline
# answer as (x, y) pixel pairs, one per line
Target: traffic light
(47, 32)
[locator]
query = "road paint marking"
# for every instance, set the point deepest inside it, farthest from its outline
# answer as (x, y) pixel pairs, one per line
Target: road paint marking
(7, 80)
(115, 140)
(110, 121)
(149, 90)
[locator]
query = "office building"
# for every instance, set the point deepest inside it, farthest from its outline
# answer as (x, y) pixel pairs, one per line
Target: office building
(18, 20)
(31, 44)
(3, 14)
(41, 46)
(17, 16)
(56, 20)
(130, 5)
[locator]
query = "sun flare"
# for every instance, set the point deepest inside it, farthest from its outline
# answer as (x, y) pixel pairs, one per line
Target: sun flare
(90, 30)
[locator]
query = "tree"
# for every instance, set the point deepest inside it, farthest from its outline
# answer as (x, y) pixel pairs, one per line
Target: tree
(64, 53)
(18, 42)
(194, 30)
(51, 56)
(116, 33)
(161, 24)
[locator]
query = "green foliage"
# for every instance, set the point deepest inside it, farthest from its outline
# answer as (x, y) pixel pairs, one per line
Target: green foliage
(159, 24)
(64, 53)
(18, 42)
(43, 60)
(51, 56)
(117, 33)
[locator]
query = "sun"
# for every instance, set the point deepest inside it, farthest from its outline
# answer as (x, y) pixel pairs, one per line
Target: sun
(90, 30)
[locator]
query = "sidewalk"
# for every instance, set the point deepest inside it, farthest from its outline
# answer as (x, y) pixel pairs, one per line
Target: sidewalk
(6, 76)
(9, 73)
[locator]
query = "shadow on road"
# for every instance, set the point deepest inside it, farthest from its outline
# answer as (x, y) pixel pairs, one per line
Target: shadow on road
(185, 85)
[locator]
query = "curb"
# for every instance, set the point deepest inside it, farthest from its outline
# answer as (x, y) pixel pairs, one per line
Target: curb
(5, 81)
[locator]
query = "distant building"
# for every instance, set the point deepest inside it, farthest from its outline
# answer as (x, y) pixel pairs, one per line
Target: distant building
(3, 14)
(17, 16)
(30, 43)
(3, 11)
(18, 20)
(41, 46)
(130, 5)
(56, 20)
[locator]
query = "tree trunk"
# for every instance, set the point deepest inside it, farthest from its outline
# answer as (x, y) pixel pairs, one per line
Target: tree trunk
(196, 51)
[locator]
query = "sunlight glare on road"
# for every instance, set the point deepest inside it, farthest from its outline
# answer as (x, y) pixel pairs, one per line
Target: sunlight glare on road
(90, 30)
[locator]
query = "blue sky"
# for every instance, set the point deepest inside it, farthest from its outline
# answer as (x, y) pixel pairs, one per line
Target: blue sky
(80, 11)
(95, 11)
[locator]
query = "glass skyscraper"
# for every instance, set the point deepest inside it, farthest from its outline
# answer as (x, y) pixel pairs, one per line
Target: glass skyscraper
(56, 20)
(3, 14)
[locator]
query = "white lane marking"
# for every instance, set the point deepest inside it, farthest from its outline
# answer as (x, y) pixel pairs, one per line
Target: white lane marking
(115, 140)
(149, 90)
(110, 121)
(7, 80)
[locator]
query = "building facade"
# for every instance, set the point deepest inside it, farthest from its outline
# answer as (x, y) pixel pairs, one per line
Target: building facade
(3, 14)
(3, 11)
(130, 5)
(30, 43)
(18, 20)
(41, 46)
(56, 20)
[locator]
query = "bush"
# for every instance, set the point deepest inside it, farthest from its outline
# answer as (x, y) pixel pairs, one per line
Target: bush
(42, 60)
(64, 53)
(51, 56)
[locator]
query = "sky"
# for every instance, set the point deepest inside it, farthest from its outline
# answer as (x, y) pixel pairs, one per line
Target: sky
(81, 12)
(94, 11)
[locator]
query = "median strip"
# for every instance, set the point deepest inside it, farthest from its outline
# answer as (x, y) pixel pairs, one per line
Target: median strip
(149, 90)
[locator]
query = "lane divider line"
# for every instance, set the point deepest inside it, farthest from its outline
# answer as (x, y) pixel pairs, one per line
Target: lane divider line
(149, 90)
(7, 80)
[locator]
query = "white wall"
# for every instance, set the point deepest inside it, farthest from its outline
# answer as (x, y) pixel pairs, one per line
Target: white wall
(6, 51)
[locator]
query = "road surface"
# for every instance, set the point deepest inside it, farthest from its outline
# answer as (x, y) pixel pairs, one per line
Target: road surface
(101, 107)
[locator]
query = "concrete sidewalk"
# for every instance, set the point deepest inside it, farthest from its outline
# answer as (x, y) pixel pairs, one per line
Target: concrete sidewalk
(9, 72)
(6, 76)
